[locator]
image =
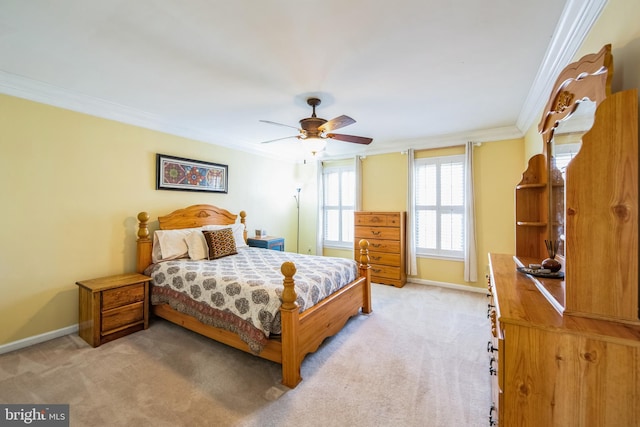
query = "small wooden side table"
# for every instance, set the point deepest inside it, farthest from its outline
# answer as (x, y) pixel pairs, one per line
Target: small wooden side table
(112, 307)
(267, 242)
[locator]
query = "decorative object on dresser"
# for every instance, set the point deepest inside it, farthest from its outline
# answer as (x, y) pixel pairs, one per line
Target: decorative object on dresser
(385, 232)
(272, 322)
(112, 307)
(568, 352)
(266, 242)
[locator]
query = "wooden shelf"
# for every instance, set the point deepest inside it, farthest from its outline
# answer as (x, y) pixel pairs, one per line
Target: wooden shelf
(531, 224)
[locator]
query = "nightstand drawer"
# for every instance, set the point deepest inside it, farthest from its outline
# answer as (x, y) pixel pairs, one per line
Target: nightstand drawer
(122, 296)
(122, 316)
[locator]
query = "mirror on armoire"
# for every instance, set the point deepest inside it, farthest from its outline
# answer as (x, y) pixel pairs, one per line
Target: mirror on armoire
(562, 148)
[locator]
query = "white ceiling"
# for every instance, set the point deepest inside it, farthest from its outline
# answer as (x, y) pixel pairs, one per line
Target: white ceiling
(412, 73)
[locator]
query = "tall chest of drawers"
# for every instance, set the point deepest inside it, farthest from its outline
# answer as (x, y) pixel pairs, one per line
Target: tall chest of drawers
(385, 232)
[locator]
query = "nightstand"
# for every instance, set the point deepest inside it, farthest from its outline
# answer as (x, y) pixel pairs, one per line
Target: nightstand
(112, 307)
(267, 242)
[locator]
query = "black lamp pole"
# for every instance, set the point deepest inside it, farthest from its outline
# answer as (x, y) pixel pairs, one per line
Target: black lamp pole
(297, 197)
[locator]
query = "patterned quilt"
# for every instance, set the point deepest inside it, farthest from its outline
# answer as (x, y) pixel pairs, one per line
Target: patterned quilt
(242, 293)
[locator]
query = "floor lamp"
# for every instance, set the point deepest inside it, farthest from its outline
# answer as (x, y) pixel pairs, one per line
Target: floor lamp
(297, 197)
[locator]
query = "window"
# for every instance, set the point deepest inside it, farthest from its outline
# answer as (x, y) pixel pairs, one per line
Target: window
(563, 154)
(439, 206)
(339, 184)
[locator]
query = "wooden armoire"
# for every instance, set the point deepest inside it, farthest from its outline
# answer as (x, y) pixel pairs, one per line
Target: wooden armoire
(567, 352)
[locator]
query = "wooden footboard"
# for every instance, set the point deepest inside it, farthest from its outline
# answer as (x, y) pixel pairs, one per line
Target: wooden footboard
(302, 333)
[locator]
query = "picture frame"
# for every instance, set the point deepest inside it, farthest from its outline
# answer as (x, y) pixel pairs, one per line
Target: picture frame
(178, 173)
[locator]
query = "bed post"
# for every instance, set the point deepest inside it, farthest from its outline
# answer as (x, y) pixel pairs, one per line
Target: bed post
(290, 319)
(143, 247)
(365, 271)
(243, 219)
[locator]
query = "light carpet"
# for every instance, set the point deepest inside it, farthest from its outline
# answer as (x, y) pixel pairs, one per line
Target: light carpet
(418, 360)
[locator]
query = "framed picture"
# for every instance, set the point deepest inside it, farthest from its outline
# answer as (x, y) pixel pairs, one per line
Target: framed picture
(176, 173)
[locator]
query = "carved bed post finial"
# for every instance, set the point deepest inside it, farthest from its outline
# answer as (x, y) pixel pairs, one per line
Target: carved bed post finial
(143, 244)
(365, 271)
(364, 252)
(289, 293)
(290, 319)
(143, 230)
(243, 219)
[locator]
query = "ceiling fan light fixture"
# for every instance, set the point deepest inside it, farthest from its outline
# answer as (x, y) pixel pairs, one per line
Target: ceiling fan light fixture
(319, 129)
(315, 144)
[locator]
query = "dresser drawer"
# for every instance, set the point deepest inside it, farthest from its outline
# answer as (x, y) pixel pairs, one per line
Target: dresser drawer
(384, 258)
(122, 296)
(385, 271)
(375, 245)
(379, 219)
(383, 233)
(122, 316)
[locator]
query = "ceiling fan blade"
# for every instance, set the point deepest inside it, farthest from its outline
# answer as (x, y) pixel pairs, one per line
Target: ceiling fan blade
(279, 124)
(337, 123)
(280, 139)
(350, 138)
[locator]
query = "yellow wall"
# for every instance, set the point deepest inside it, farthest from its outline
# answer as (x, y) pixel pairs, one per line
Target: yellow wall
(71, 187)
(497, 171)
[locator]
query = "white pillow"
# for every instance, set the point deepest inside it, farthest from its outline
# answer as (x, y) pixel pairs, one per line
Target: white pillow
(197, 246)
(172, 244)
(156, 254)
(238, 235)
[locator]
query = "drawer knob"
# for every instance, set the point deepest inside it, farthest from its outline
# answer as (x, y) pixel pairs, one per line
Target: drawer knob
(492, 370)
(375, 233)
(490, 347)
(489, 308)
(492, 422)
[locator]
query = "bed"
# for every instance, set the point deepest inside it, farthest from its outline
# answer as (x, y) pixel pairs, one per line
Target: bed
(300, 329)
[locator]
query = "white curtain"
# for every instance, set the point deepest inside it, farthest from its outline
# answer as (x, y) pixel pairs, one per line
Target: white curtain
(412, 264)
(320, 235)
(358, 168)
(470, 256)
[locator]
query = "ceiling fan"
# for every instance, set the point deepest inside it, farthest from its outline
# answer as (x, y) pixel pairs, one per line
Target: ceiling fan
(316, 128)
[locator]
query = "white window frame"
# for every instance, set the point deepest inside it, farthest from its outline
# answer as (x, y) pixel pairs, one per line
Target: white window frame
(345, 230)
(439, 209)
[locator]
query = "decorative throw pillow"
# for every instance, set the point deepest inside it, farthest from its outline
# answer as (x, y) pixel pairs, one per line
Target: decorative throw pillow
(220, 242)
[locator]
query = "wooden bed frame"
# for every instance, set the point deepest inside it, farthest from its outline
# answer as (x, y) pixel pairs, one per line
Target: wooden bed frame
(302, 333)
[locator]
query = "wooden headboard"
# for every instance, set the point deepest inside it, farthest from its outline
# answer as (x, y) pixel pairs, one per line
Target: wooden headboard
(189, 217)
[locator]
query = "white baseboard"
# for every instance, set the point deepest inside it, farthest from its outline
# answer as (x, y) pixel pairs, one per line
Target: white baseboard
(456, 286)
(26, 342)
